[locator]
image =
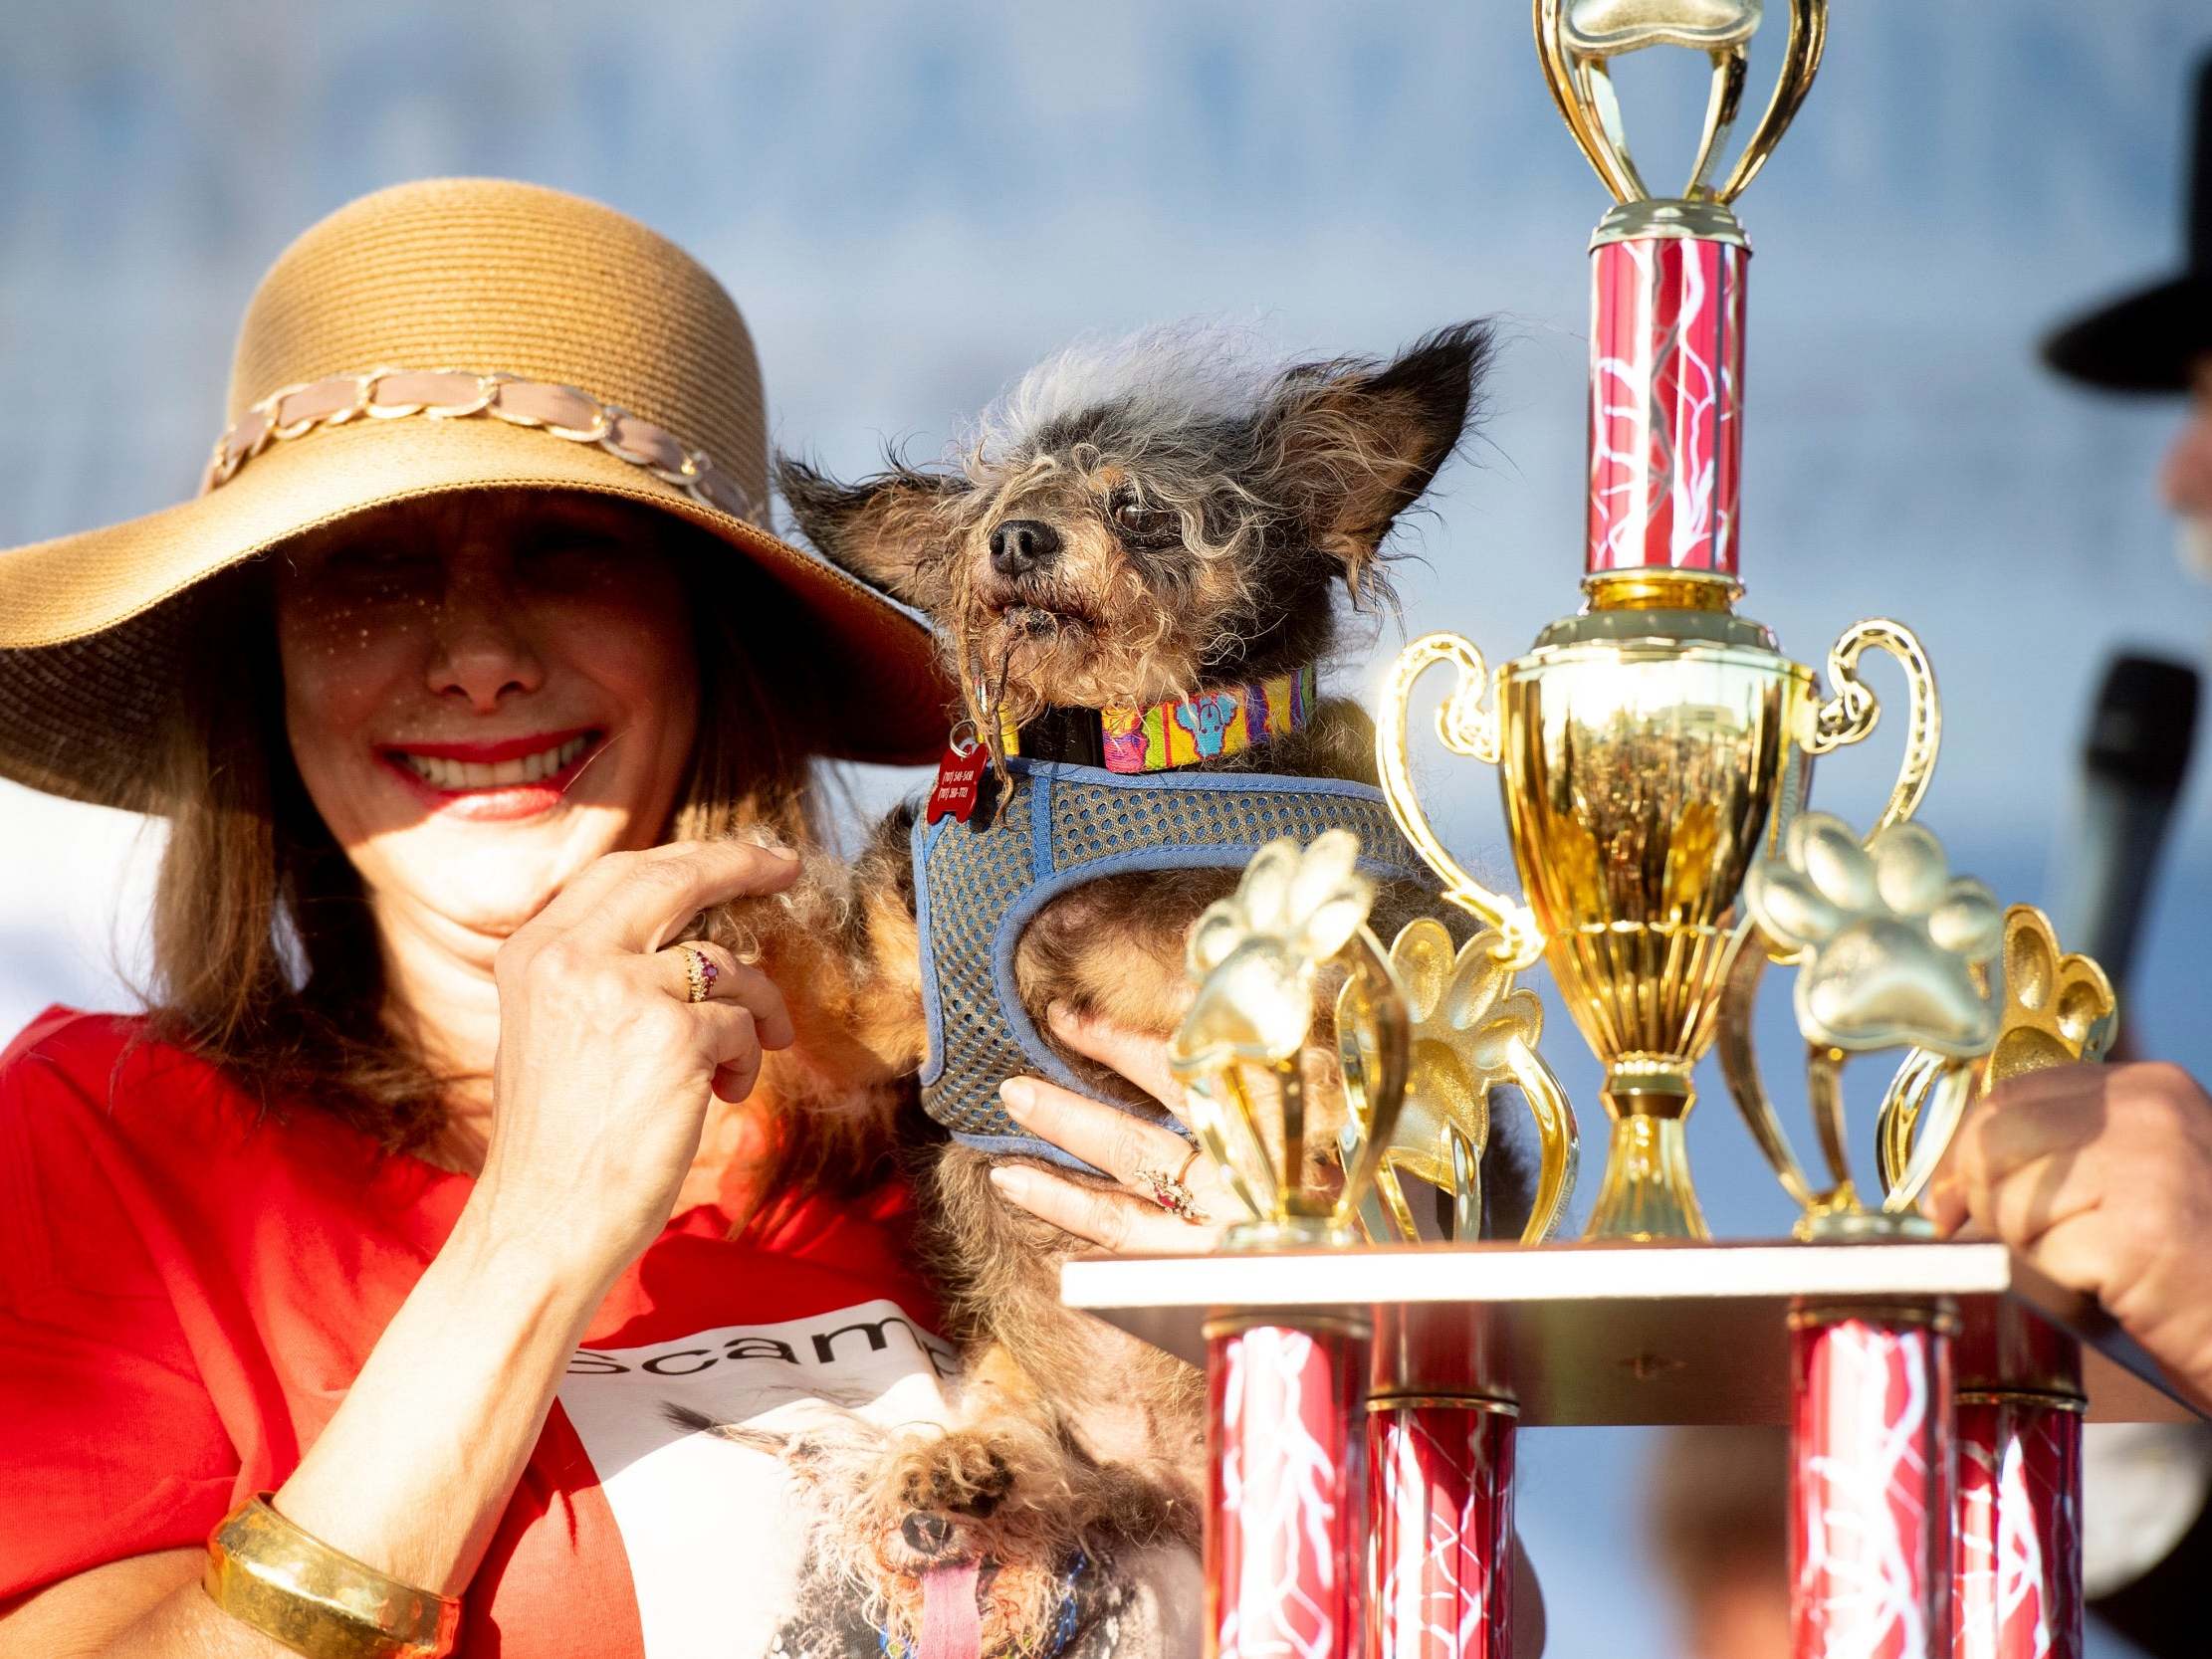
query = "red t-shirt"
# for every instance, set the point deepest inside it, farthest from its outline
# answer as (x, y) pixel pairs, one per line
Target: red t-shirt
(185, 1296)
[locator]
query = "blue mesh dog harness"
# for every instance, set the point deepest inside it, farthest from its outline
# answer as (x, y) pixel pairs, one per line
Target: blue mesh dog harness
(1059, 827)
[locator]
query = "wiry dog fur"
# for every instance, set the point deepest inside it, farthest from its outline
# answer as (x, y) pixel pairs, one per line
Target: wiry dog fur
(1203, 520)
(1017, 1503)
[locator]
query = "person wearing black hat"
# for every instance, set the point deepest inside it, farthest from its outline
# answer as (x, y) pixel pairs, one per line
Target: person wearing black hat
(2103, 1174)
(2160, 339)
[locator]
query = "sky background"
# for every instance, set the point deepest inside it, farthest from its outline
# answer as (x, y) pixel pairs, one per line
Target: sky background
(911, 204)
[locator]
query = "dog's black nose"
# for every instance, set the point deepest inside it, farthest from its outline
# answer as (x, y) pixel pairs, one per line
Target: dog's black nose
(925, 1534)
(1020, 546)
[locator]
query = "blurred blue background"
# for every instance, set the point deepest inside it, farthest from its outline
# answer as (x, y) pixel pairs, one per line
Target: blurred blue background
(914, 203)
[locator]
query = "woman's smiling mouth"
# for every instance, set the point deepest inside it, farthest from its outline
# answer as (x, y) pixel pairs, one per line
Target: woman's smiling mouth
(517, 777)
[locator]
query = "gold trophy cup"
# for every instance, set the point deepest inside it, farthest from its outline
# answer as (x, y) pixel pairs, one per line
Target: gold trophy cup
(1647, 756)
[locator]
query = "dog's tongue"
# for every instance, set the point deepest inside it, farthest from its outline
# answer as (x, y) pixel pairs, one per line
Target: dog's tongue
(952, 1628)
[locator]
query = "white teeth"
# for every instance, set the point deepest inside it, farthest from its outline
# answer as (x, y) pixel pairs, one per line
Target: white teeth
(441, 773)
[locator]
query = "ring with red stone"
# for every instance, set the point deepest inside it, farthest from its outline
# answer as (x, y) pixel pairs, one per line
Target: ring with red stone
(1168, 1192)
(700, 973)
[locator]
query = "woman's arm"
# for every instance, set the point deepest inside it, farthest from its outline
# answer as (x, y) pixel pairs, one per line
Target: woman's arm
(602, 1082)
(411, 1474)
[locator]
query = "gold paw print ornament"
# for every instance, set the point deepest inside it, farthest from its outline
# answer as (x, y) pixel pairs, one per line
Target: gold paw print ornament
(1886, 939)
(2057, 1008)
(1258, 957)
(1890, 950)
(1472, 1030)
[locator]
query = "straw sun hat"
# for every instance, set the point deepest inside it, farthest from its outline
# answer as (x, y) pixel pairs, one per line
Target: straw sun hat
(451, 334)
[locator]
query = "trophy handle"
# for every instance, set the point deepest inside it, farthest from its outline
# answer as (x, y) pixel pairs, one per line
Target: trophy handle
(1575, 38)
(1372, 997)
(1377, 1224)
(1384, 1212)
(2057, 1007)
(1927, 1098)
(1466, 727)
(1739, 1067)
(1459, 1002)
(1922, 1107)
(1851, 712)
(1225, 1132)
(1801, 61)
(1612, 170)
(1920, 1112)
(1467, 1185)
(1559, 1143)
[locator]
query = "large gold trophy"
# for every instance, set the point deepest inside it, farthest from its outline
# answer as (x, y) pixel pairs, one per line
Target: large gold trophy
(1654, 753)
(1651, 746)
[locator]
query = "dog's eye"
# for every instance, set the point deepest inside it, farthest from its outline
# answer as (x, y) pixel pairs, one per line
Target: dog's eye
(1148, 525)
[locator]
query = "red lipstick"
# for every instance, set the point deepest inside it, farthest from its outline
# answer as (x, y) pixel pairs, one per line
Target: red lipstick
(444, 793)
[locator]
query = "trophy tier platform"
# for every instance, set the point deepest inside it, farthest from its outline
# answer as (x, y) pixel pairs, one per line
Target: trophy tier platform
(1593, 1334)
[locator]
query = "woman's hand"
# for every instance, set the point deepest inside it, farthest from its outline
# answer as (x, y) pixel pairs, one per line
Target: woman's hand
(2101, 1177)
(1126, 1219)
(605, 1066)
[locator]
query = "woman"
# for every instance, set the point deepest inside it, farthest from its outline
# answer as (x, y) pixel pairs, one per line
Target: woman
(413, 1202)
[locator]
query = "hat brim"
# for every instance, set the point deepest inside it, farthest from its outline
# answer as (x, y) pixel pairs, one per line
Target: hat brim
(90, 643)
(2146, 341)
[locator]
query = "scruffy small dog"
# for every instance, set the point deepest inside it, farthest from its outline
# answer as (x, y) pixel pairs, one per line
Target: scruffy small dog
(1005, 1510)
(1136, 526)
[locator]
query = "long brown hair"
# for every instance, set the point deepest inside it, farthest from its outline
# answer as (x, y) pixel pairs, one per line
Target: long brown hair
(265, 955)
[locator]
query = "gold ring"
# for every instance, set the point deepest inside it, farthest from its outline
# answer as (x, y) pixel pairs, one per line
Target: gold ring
(1168, 1192)
(700, 973)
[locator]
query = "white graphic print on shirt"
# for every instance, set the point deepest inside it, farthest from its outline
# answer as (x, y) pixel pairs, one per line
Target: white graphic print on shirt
(716, 1551)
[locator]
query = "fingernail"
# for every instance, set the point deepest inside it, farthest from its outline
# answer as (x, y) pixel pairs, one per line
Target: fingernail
(1019, 1094)
(1011, 1179)
(1060, 1016)
(786, 854)
(1942, 1205)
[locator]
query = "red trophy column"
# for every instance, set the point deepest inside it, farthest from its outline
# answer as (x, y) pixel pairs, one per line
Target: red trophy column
(2017, 1591)
(1870, 1483)
(1284, 1552)
(1441, 1519)
(1665, 392)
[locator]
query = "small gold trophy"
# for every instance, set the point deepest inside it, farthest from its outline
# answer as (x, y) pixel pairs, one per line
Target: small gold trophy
(1471, 1030)
(1655, 744)
(1893, 952)
(1425, 1032)
(1259, 959)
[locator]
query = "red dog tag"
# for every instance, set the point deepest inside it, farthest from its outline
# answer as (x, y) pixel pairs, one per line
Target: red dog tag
(960, 780)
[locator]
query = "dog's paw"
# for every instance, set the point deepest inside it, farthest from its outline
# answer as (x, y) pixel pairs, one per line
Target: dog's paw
(939, 1494)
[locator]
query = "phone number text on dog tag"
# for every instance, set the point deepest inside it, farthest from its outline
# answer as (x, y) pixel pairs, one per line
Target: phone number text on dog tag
(960, 781)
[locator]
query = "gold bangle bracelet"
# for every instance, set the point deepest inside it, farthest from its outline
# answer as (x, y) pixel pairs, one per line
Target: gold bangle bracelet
(296, 1590)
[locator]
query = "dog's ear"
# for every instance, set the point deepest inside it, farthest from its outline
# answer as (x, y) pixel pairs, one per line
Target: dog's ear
(1357, 443)
(890, 530)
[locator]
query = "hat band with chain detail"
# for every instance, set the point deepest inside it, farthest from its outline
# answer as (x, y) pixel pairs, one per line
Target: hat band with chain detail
(453, 394)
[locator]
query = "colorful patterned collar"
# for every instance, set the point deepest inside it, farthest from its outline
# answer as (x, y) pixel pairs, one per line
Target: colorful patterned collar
(1164, 735)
